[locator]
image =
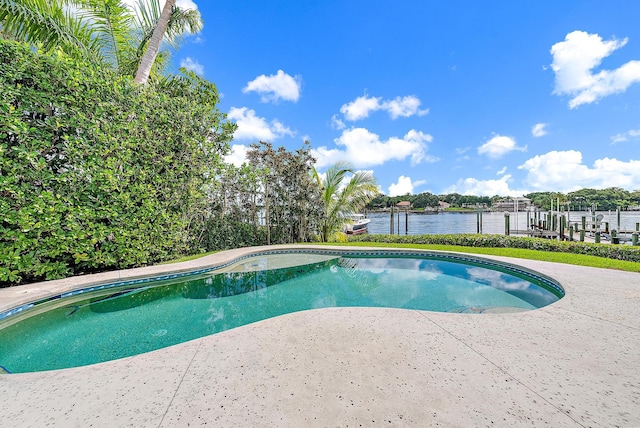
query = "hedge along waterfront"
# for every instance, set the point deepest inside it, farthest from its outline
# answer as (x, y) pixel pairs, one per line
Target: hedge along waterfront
(97, 173)
(616, 252)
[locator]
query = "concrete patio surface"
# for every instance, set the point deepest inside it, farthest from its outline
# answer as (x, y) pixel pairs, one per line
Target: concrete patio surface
(573, 363)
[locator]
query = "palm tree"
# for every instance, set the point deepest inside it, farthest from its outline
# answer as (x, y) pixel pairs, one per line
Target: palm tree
(343, 199)
(104, 31)
(169, 25)
(154, 44)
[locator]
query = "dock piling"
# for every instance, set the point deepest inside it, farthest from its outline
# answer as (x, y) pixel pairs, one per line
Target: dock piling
(391, 222)
(406, 222)
(506, 224)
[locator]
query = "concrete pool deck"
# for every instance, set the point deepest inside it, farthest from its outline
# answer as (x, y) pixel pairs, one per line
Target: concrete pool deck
(573, 363)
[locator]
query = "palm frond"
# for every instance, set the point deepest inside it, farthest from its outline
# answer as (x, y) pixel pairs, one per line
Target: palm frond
(48, 24)
(112, 22)
(180, 21)
(341, 199)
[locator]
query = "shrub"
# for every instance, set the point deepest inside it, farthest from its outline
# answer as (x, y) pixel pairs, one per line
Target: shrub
(97, 173)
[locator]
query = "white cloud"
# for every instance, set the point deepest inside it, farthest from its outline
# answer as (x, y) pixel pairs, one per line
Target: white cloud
(192, 65)
(462, 151)
(502, 171)
(574, 60)
(275, 87)
(405, 107)
(252, 127)
(363, 149)
(183, 4)
(539, 129)
(404, 186)
(238, 155)
(625, 136)
(336, 123)
(473, 186)
(564, 171)
(498, 146)
(361, 107)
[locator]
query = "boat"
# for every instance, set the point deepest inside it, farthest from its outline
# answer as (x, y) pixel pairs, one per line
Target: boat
(358, 224)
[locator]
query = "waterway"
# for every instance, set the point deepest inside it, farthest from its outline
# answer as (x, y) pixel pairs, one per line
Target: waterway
(492, 222)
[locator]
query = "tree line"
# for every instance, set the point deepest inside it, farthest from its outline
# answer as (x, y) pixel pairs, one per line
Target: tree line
(610, 198)
(602, 199)
(429, 200)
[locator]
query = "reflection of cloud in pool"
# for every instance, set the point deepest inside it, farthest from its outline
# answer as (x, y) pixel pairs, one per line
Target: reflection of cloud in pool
(497, 279)
(397, 287)
(509, 283)
(466, 296)
(463, 293)
(391, 282)
(400, 269)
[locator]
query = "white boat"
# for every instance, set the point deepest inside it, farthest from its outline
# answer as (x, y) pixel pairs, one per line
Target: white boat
(358, 224)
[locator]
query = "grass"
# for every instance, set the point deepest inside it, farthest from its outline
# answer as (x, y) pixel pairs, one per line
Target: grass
(188, 258)
(566, 258)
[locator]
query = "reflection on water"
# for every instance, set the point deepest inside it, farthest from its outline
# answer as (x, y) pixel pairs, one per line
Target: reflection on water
(130, 321)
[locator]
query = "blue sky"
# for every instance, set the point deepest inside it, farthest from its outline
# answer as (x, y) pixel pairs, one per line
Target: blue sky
(474, 97)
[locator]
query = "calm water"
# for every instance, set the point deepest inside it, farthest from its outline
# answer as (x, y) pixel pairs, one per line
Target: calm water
(123, 322)
(492, 222)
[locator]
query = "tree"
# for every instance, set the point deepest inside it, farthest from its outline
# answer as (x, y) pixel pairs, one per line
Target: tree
(142, 75)
(425, 199)
(106, 32)
(342, 199)
(171, 23)
(288, 196)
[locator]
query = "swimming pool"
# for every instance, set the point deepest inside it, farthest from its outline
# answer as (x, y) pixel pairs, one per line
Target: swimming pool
(112, 321)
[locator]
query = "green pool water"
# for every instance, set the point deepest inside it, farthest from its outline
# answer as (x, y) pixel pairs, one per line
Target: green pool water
(124, 321)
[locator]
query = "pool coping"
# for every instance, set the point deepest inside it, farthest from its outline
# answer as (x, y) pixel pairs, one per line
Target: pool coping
(572, 363)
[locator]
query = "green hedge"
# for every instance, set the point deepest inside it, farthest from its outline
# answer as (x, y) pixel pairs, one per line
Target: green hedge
(617, 252)
(97, 173)
(228, 233)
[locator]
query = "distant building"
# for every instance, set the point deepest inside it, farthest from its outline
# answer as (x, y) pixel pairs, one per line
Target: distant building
(482, 205)
(442, 205)
(510, 204)
(404, 205)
